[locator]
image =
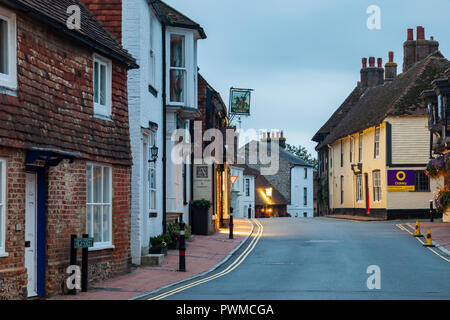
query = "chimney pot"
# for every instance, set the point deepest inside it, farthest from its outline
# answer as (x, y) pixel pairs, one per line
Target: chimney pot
(364, 63)
(372, 62)
(420, 33)
(380, 62)
(391, 56)
(410, 34)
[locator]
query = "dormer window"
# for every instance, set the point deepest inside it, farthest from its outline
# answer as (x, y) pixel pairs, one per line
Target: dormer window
(177, 68)
(8, 49)
(102, 86)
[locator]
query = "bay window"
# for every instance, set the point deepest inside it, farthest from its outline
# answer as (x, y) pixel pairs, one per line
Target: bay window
(2, 206)
(102, 86)
(8, 49)
(178, 69)
(99, 204)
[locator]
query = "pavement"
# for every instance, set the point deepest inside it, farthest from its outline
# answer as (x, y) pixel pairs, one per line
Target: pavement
(355, 218)
(203, 254)
(320, 258)
(440, 233)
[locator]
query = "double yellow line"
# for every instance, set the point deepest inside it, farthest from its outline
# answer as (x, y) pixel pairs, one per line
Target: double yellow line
(401, 227)
(230, 268)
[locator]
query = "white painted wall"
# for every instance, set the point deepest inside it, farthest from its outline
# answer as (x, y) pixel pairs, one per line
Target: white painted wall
(297, 209)
(237, 192)
(139, 27)
(249, 201)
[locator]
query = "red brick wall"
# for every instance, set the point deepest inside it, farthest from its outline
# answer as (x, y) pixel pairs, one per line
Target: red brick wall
(66, 215)
(13, 277)
(109, 13)
(54, 107)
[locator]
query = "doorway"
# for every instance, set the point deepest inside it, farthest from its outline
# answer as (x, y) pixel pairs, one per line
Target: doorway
(31, 233)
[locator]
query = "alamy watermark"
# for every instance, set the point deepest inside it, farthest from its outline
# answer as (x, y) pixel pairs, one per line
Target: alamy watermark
(374, 20)
(73, 22)
(374, 280)
(217, 147)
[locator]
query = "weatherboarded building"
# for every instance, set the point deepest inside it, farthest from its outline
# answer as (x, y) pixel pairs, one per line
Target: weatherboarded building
(65, 158)
(374, 149)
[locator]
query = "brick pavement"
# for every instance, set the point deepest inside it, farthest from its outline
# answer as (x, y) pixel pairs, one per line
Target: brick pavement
(201, 255)
(440, 232)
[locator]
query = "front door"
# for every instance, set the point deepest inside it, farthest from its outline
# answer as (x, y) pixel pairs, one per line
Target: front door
(30, 234)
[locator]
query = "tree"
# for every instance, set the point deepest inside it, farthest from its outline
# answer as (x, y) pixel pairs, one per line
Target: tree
(303, 154)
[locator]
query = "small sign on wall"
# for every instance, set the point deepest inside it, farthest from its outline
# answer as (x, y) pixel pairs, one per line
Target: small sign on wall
(202, 172)
(401, 180)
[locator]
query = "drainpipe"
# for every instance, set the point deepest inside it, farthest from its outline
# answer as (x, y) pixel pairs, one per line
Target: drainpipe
(164, 128)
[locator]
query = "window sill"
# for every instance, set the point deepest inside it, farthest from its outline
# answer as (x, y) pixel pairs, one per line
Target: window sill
(4, 254)
(102, 117)
(8, 91)
(104, 247)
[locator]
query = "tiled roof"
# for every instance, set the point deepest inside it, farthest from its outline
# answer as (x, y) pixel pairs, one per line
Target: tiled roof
(339, 114)
(261, 184)
(398, 98)
(92, 33)
(172, 17)
(247, 170)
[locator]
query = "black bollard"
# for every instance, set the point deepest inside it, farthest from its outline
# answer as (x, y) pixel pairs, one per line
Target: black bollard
(73, 257)
(231, 223)
(84, 267)
(431, 211)
(182, 248)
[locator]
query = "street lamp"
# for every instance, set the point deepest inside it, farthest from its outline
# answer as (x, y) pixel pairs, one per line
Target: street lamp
(153, 153)
(269, 192)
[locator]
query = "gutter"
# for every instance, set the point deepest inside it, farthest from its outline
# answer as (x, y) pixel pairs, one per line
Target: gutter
(48, 20)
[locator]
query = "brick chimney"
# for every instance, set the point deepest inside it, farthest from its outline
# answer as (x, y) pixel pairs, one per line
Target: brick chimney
(390, 68)
(417, 50)
(372, 76)
(109, 13)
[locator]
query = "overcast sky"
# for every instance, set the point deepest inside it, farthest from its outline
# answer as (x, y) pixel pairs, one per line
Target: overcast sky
(302, 57)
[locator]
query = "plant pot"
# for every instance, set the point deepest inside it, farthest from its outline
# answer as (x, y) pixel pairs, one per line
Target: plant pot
(158, 250)
(446, 215)
(175, 244)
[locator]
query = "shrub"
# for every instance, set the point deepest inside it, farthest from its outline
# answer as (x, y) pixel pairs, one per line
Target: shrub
(200, 204)
(158, 241)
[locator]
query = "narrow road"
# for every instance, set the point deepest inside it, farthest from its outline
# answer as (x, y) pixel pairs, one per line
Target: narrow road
(327, 259)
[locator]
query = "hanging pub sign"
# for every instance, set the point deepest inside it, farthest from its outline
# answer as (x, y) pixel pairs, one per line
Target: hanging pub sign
(401, 180)
(240, 101)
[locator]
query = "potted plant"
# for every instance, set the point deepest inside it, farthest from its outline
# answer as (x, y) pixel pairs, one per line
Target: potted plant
(200, 219)
(442, 201)
(158, 245)
(173, 230)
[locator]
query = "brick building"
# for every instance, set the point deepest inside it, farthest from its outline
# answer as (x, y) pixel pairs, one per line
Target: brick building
(65, 159)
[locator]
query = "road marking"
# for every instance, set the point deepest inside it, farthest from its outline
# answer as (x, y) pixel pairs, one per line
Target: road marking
(402, 227)
(230, 268)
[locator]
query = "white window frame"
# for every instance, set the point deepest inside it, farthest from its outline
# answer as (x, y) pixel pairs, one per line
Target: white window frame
(305, 196)
(189, 72)
(100, 109)
(247, 187)
(376, 176)
(152, 55)
(90, 206)
(342, 190)
(352, 147)
(306, 173)
(376, 151)
(359, 188)
(360, 147)
(152, 168)
(10, 80)
(3, 208)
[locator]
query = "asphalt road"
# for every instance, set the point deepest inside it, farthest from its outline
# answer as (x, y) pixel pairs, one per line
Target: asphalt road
(323, 258)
